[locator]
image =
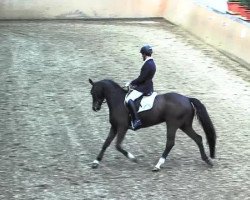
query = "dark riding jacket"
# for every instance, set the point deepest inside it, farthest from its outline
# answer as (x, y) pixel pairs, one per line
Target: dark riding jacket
(144, 81)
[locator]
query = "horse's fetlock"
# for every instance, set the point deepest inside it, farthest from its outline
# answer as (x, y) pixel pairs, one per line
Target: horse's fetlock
(118, 147)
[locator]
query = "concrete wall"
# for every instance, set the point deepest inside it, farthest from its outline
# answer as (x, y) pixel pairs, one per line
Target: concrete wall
(43, 9)
(223, 33)
(216, 29)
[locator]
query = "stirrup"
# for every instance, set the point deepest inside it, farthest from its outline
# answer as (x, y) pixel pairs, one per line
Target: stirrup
(136, 124)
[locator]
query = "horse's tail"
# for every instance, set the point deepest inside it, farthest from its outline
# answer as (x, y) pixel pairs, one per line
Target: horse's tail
(206, 124)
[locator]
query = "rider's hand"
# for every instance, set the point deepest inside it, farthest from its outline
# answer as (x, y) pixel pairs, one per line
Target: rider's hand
(127, 84)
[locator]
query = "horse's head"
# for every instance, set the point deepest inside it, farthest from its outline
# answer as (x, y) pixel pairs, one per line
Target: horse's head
(97, 92)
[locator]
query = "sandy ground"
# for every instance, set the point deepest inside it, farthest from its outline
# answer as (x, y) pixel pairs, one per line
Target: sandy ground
(49, 135)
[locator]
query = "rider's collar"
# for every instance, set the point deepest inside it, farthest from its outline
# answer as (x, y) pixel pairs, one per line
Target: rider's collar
(148, 58)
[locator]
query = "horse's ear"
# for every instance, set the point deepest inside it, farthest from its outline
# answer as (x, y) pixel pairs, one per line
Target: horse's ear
(91, 82)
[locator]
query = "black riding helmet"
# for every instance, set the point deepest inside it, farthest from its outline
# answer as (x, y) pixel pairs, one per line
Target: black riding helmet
(147, 50)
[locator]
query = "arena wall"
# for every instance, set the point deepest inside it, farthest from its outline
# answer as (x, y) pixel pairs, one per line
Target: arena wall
(65, 9)
(220, 30)
(227, 35)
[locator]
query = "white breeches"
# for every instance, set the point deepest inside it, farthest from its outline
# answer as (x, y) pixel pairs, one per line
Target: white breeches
(133, 95)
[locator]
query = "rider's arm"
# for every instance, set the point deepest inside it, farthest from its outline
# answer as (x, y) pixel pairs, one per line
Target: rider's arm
(144, 75)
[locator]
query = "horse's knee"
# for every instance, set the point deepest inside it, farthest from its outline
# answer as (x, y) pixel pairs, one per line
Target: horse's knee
(198, 139)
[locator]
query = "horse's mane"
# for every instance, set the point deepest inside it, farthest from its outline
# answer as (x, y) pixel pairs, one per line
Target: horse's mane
(110, 82)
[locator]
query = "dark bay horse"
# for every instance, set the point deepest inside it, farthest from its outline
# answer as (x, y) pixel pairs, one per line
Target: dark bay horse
(176, 110)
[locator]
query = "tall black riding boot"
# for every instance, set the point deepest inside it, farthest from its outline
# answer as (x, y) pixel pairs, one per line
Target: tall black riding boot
(136, 122)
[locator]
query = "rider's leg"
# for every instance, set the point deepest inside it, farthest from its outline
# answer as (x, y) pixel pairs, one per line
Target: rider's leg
(136, 123)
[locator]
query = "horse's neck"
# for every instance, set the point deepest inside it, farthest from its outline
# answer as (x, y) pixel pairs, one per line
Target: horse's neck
(115, 98)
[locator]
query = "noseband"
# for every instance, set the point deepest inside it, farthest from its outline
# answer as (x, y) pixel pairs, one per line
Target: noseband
(101, 101)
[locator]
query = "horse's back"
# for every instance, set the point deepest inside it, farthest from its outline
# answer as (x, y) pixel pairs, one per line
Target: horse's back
(172, 108)
(174, 104)
(177, 98)
(173, 97)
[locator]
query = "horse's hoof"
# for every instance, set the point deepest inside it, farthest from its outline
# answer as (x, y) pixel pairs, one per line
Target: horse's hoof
(132, 157)
(135, 160)
(209, 162)
(156, 169)
(95, 164)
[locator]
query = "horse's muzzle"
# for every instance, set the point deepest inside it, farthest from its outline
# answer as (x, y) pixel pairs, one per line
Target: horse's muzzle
(96, 107)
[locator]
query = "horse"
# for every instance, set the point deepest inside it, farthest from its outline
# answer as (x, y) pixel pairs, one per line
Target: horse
(176, 110)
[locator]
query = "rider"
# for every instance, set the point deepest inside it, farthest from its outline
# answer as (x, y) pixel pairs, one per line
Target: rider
(142, 85)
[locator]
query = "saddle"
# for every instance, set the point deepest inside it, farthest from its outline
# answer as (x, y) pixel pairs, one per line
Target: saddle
(144, 103)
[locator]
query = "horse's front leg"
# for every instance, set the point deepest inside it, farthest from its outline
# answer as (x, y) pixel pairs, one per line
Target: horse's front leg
(121, 132)
(109, 139)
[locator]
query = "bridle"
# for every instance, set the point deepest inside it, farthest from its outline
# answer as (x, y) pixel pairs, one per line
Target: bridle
(101, 101)
(104, 101)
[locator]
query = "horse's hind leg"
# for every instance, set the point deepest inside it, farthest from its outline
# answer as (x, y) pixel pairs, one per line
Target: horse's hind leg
(120, 137)
(198, 140)
(106, 144)
(171, 132)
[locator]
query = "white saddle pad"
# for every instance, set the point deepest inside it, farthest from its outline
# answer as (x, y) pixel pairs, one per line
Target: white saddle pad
(147, 102)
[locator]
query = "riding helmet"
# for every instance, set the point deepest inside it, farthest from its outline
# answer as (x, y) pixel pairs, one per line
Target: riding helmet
(146, 49)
